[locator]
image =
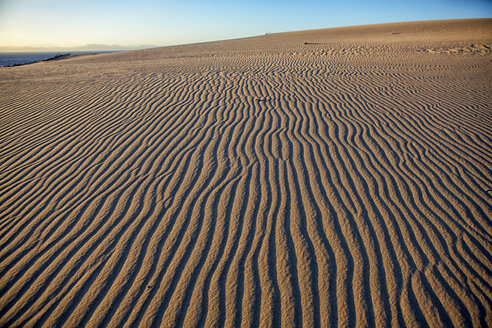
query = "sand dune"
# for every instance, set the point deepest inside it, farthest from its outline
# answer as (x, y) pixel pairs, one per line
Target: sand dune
(338, 177)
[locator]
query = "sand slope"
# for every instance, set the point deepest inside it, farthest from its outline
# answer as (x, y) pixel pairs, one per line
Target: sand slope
(320, 178)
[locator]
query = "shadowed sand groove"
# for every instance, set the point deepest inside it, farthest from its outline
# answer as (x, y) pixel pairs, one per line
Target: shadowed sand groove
(337, 177)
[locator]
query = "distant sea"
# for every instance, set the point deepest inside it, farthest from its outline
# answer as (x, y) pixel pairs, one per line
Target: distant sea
(19, 58)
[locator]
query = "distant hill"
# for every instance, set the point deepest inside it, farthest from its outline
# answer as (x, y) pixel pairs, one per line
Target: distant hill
(87, 47)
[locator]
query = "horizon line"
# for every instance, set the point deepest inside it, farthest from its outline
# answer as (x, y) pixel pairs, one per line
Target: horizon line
(116, 47)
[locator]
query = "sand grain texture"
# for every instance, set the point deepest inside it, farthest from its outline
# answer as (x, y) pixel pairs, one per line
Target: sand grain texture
(338, 177)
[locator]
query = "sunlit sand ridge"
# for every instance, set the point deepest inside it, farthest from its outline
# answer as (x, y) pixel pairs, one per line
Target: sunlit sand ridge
(336, 177)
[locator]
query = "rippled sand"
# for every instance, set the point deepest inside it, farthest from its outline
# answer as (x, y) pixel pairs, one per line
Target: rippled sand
(337, 177)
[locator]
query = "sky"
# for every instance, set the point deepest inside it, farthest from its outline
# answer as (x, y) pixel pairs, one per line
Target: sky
(132, 23)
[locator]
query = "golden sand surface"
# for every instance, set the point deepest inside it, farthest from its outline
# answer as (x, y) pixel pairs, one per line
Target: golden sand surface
(337, 177)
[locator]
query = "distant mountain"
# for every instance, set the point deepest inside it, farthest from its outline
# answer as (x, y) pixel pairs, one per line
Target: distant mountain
(87, 47)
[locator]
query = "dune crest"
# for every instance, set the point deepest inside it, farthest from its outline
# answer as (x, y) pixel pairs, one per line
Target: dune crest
(338, 177)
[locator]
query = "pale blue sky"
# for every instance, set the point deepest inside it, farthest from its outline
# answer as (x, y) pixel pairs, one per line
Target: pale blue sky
(69, 23)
